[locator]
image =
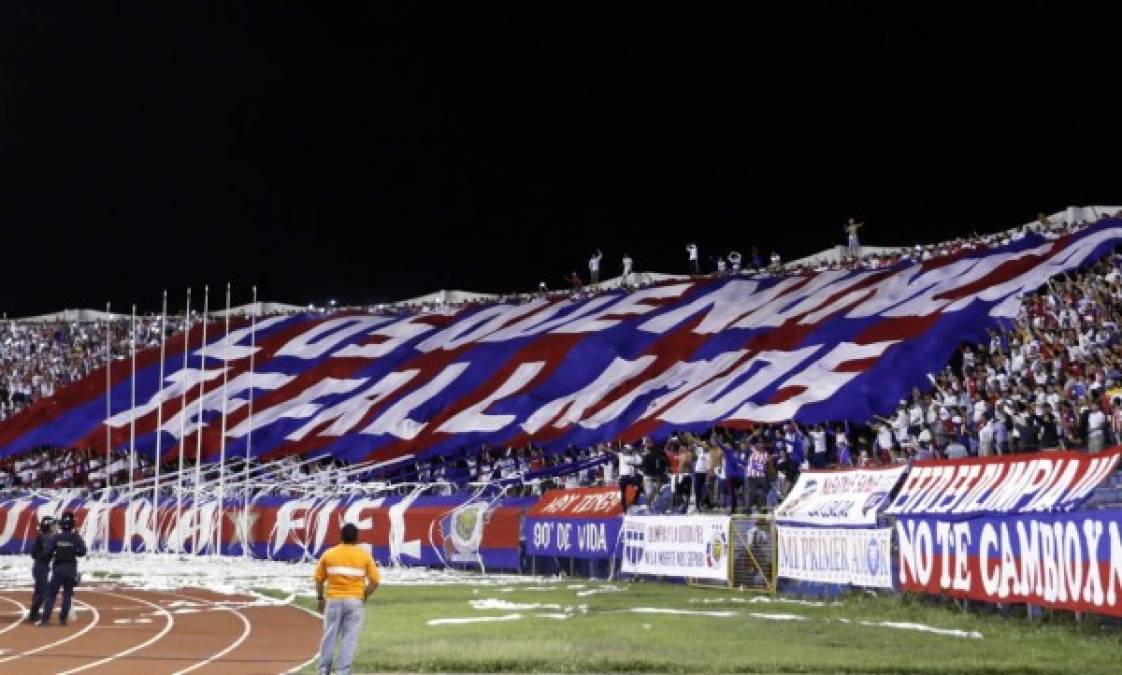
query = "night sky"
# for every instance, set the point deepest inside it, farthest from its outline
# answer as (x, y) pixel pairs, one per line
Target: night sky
(373, 152)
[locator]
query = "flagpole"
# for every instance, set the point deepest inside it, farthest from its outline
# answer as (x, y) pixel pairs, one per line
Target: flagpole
(199, 425)
(222, 437)
(108, 394)
(158, 458)
(132, 419)
(249, 435)
(182, 420)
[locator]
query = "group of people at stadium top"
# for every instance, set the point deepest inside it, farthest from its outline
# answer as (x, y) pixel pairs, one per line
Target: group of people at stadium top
(1051, 379)
(854, 257)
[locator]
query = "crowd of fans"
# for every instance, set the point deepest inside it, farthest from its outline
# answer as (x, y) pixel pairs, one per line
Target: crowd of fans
(1051, 378)
(38, 359)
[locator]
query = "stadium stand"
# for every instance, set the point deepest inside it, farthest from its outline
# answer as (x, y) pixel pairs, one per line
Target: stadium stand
(1052, 378)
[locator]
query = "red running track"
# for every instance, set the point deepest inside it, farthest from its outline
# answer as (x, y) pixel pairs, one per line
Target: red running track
(132, 632)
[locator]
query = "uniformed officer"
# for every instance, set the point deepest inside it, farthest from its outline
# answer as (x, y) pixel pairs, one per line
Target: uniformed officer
(65, 547)
(41, 568)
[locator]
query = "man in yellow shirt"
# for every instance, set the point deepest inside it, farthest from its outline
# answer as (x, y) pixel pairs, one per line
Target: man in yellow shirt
(351, 577)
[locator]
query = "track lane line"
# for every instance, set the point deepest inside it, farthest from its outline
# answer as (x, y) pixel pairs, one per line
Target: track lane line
(109, 659)
(237, 643)
(271, 605)
(315, 656)
(96, 619)
(23, 614)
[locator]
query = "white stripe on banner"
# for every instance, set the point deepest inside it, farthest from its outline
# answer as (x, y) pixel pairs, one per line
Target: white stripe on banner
(341, 571)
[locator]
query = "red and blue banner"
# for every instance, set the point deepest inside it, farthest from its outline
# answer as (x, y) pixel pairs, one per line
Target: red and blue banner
(683, 355)
(974, 486)
(1069, 561)
(575, 523)
(1006, 530)
(410, 530)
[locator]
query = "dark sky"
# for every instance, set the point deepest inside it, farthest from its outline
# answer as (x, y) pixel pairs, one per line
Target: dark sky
(372, 152)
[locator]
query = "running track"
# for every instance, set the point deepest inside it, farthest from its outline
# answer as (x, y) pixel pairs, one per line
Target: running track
(130, 632)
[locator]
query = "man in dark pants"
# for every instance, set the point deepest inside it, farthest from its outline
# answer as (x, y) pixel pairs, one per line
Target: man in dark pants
(41, 568)
(66, 547)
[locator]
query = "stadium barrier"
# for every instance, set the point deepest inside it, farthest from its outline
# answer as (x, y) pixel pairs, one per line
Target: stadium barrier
(1042, 529)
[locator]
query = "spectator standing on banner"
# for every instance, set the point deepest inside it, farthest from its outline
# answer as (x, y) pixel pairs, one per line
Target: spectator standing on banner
(627, 264)
(757, 260)
(915, 418)
(653, 464)
(1049, 432)
(594, 267)
(1000, 435)
(685, 474)
(734, 459)
(985, 437)
(701, 472)
(776, 263)
(795, 443)
(956, 449)
(629, 474)
(885, 441)
(695, 266)
(350, 577)
(1096, 429)
(818, 438)
(841, 447)
(925, 449)
(853, 245)
(755, 472)
(734, 262)
(608, 469)
(716, 487)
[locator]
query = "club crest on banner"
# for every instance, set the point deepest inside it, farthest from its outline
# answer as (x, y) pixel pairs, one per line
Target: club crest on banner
(634, 542)
(716, 546)
(462, 531)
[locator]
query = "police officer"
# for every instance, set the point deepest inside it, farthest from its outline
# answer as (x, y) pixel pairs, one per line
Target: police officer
(66, 547)
(41, 568)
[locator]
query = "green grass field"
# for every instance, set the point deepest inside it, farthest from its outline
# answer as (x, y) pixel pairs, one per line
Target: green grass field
(602, 634)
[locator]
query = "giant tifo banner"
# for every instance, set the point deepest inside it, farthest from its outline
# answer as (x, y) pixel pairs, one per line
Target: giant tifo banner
(695, 547)
(846, 497)
(677, 356)
(1039, 483)
(574, 523)
(409, 530)
(1067, 561)
(855, 556)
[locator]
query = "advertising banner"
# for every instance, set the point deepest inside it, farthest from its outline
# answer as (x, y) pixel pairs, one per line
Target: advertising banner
(857, 556)
(677, 546)
(1061, 561)
(851, 497)
(575, 523)
(1039, 483)
(584, 538)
